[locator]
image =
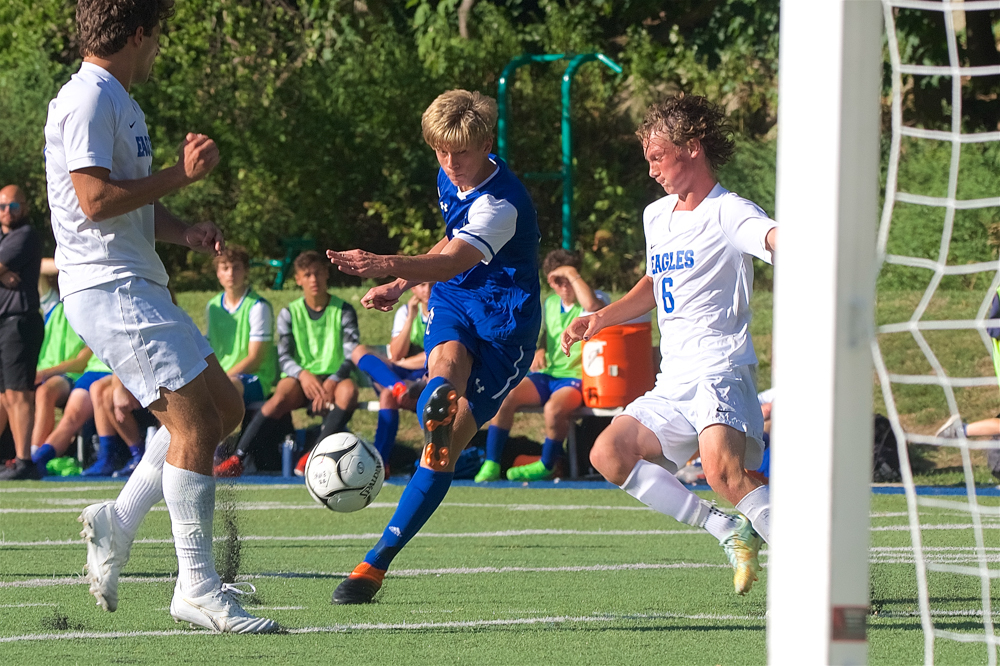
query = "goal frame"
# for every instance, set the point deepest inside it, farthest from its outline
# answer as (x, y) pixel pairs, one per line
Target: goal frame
(830, 61)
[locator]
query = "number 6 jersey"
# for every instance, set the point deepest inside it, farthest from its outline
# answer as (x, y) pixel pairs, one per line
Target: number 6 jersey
(702, 278)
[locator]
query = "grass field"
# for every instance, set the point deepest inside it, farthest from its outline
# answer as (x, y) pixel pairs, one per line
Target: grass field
(498, 575)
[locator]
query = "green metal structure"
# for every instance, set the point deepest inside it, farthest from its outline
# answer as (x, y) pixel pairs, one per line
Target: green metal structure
(566, 173)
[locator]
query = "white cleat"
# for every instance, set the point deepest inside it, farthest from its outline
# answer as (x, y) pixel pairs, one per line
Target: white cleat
(107, 552)
(953, 428)
(219, 611)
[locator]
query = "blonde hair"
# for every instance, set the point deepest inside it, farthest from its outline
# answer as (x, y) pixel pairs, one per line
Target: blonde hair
(459, 119)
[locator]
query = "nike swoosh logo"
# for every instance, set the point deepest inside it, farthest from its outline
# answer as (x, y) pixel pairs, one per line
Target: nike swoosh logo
(132, 125)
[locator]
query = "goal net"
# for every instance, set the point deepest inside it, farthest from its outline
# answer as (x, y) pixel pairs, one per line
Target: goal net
(937, 279)
(899, 219)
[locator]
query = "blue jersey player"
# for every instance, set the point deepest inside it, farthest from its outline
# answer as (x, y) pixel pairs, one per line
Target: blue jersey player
(484, 312)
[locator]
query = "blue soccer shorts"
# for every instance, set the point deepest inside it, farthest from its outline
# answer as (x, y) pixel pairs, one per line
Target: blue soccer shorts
(546, 384)
(496, 367)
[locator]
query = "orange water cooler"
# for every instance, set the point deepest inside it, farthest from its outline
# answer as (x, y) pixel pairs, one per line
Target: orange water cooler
(618, 365)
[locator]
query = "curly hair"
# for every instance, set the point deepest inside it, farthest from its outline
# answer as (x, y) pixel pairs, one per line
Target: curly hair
(680, 119)
(104, 26)
(558, 258)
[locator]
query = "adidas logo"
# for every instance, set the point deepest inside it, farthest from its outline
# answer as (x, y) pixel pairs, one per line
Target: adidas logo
(395, 530)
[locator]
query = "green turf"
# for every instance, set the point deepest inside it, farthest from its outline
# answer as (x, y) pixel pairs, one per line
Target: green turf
(681, 614)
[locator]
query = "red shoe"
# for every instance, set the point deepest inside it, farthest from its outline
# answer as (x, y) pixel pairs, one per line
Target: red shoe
(300, 468)
(399, 391)
(229, 468)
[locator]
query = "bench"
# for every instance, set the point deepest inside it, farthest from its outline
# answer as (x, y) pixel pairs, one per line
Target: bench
(579, 413)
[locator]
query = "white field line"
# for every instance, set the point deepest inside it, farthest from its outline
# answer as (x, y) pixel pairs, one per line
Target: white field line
(375, 535)
(79, 580)
(400, 626)
(25, 605)
(284, 506)
(68, 489)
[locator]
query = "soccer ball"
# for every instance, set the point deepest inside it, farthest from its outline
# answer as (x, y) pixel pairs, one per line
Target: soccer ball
(344, 473)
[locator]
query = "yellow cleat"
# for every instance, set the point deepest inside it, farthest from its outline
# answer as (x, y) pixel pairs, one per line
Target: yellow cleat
(741, 546)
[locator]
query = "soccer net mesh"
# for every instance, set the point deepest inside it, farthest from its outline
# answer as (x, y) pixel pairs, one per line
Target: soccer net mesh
(932, 349)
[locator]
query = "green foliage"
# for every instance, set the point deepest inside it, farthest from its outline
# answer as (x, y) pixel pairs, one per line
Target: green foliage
(316, 107)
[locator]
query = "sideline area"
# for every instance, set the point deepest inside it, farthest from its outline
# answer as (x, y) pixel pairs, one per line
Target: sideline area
(274, 479)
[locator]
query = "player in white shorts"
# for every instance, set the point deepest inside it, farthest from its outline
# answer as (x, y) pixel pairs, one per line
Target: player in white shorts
(699, 277)
(106, 217)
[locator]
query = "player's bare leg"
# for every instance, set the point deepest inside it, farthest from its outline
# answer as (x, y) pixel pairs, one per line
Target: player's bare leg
(197, 416)
(557, 411)
(523, 394)
(448, 428)
(629, 455)
(723, 451)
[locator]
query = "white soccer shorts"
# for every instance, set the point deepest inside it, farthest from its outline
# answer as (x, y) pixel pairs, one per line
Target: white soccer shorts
(677, 414)
(135, 328)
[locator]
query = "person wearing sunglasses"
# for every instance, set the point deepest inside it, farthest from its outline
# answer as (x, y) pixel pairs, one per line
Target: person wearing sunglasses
(21, 326)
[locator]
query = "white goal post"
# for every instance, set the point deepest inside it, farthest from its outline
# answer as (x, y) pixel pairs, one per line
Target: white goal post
(825, 267)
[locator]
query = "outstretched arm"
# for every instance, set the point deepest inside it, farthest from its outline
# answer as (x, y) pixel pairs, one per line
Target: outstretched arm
(638, 301)
(455, 257)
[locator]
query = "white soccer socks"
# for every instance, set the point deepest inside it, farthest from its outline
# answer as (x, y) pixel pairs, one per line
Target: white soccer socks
(144, 487)
(190, 499)
(756, 506)
(661, 491)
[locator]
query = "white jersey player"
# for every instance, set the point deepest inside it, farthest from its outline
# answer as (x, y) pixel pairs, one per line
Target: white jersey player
(106, 217)
(699, 277)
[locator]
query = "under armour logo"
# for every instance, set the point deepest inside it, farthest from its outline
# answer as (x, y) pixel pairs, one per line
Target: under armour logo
(479, 387)
(395, 530)
(444, 207)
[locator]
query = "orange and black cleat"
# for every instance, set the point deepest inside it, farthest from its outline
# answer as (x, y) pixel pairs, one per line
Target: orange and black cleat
(360, 587)
(439, 416)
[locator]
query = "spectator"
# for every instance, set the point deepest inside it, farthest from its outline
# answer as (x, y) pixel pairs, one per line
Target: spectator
(127, 423)
(48, 286)
(60, 364)
(77, 411)
(21, 327)
(241, 328)
(554, 380)
(316, 336)
(399, 377)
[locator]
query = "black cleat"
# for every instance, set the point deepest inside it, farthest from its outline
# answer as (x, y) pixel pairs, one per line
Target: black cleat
(439, 416)
(21, 470)
(360, 587)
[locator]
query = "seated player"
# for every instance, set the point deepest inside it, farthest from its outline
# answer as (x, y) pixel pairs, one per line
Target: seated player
(954, 427)
(60, 363)
(555, 379)
(699, 243)
(78, 410)
(119, 416)
(484, 311)
(405, 369)
(240, 328)
(316, 336)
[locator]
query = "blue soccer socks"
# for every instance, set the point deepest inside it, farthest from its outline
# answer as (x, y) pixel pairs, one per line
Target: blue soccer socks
(385, 432)
(421, 497)
(378, 370)
(496, 439)
(552, 451)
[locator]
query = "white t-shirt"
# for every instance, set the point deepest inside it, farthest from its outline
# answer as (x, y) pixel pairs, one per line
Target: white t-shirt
(703, 279)
(399, 320)
(93, 122)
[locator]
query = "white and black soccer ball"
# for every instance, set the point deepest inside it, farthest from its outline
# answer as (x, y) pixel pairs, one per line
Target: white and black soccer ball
(344, 473)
